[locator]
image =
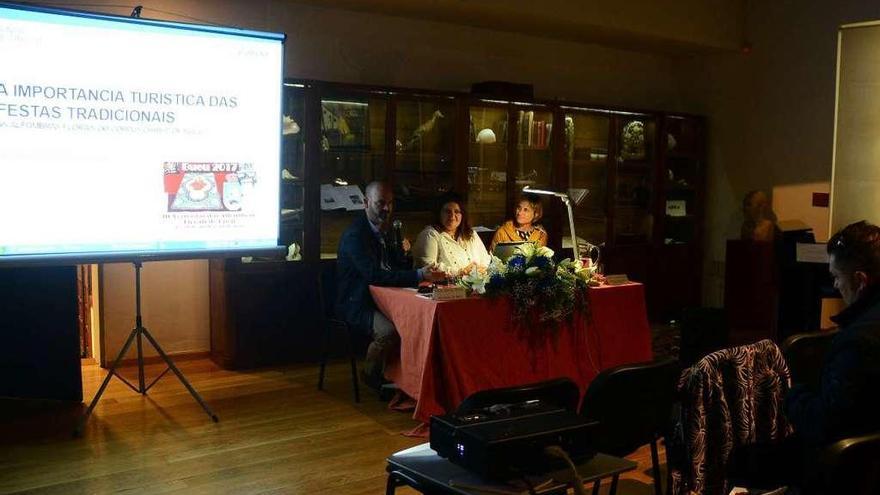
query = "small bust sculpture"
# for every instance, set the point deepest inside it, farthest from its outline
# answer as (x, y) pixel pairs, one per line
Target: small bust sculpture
(759, 221)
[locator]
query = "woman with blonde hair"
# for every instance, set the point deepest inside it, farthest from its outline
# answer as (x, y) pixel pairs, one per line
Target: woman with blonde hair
(524, 226)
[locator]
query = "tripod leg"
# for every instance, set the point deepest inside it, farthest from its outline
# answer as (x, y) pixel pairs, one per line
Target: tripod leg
(140, 349)
(180, 376)
(82, 420)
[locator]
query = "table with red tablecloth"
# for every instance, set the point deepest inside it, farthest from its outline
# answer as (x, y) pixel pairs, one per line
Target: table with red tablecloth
(451, 349)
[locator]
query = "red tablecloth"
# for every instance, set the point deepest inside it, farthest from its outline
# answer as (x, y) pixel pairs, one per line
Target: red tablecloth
(451, 349)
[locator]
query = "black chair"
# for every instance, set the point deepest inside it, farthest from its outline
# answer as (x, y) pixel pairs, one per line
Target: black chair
(804, 353)
(852, 466)
(333, 327)
(633, 405)
(560, 392)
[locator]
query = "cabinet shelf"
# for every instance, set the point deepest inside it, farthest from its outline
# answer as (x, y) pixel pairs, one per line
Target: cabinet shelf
(676, 187)
(423, 172)
(489, 145)
(422, 155)
(635, 167)
(354, 151)
(589, 163)
(683, 156)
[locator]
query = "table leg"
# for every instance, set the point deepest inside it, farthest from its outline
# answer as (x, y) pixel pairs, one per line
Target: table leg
(596, 487)
(613, 489)
(397, 478)
(390, 485)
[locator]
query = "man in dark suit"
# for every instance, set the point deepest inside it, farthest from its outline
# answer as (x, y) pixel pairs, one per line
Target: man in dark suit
(366, 257)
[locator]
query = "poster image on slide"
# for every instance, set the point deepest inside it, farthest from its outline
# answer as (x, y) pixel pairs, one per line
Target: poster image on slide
(207, 186)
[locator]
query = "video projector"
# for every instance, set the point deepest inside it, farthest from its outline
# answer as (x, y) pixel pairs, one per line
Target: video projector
(507, 440)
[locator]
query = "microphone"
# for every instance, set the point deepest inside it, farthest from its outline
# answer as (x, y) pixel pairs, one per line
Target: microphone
(397, 235)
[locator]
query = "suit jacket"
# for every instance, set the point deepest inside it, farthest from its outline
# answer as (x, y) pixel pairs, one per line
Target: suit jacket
(359, 265)
(730, 398)
(847, 402)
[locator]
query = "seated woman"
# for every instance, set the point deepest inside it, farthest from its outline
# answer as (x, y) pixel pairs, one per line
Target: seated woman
(450, 243)
(524, 226)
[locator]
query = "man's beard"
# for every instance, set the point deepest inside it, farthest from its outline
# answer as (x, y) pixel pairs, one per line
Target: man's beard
(384, 219)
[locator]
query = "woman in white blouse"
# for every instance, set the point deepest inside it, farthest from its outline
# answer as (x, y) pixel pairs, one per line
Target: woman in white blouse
(450, 243)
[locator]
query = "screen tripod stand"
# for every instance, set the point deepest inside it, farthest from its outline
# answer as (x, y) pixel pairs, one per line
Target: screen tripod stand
(138, 331)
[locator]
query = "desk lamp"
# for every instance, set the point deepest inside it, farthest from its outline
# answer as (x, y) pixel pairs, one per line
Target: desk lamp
(572, 196)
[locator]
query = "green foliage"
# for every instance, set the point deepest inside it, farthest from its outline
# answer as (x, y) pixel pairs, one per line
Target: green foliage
(543, 293)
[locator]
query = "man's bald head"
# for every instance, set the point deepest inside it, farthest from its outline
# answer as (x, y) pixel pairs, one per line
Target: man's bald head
(380, 203)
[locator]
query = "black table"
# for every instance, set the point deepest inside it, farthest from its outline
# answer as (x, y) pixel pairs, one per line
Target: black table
(422, 469)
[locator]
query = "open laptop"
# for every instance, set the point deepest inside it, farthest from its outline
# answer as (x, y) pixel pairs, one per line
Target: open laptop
(505, 250)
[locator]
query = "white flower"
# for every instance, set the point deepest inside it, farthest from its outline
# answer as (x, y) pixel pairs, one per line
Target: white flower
(544, 251)
(533, 271)
(476, 281)
(496, 267)
(526, 249)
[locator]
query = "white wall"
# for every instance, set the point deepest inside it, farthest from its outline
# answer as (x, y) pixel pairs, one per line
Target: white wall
(174, 306)
(367, 48)
(95, 316)
(857, 155)
(771, 112)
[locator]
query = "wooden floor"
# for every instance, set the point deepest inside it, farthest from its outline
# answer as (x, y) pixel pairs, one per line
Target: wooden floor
(277, 435)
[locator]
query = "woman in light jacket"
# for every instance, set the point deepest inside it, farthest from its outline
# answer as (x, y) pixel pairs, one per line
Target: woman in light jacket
(450, 243)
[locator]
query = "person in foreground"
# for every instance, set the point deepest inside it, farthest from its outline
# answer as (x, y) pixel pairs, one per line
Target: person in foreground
(365, 257)
(845, 403)
(524, 226)
(450, 243)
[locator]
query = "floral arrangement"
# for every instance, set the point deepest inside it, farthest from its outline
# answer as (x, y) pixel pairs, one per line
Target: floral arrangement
(543, 293)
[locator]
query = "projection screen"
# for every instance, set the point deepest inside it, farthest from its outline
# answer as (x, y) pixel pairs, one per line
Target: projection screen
(127, 138)
(855, 191)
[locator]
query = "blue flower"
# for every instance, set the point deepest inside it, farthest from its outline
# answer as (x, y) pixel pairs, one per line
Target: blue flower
(541, 262)
(516, 262)
(496, 281)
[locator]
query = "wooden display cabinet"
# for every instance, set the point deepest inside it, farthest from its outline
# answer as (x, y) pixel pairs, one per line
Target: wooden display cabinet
(645, 171)
(677, 272)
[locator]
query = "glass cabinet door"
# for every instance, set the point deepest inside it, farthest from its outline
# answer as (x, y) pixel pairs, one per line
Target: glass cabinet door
(633, 217)
(487, 166)
(586, 154)
(352, 156)
(681, 179)
(533, 164)
(293, 164)
(424, 154)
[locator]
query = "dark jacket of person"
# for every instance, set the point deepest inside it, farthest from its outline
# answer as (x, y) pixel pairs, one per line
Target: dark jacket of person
(847, 402)
(358, 266)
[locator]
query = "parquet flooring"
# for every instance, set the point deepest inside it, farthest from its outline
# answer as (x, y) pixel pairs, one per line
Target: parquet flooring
(277, 435)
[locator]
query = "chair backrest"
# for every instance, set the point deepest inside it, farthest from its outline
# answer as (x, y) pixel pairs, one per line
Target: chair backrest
(805, 353)
(632, 403)
(561, 392)
(852, 465)
(703, 331)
